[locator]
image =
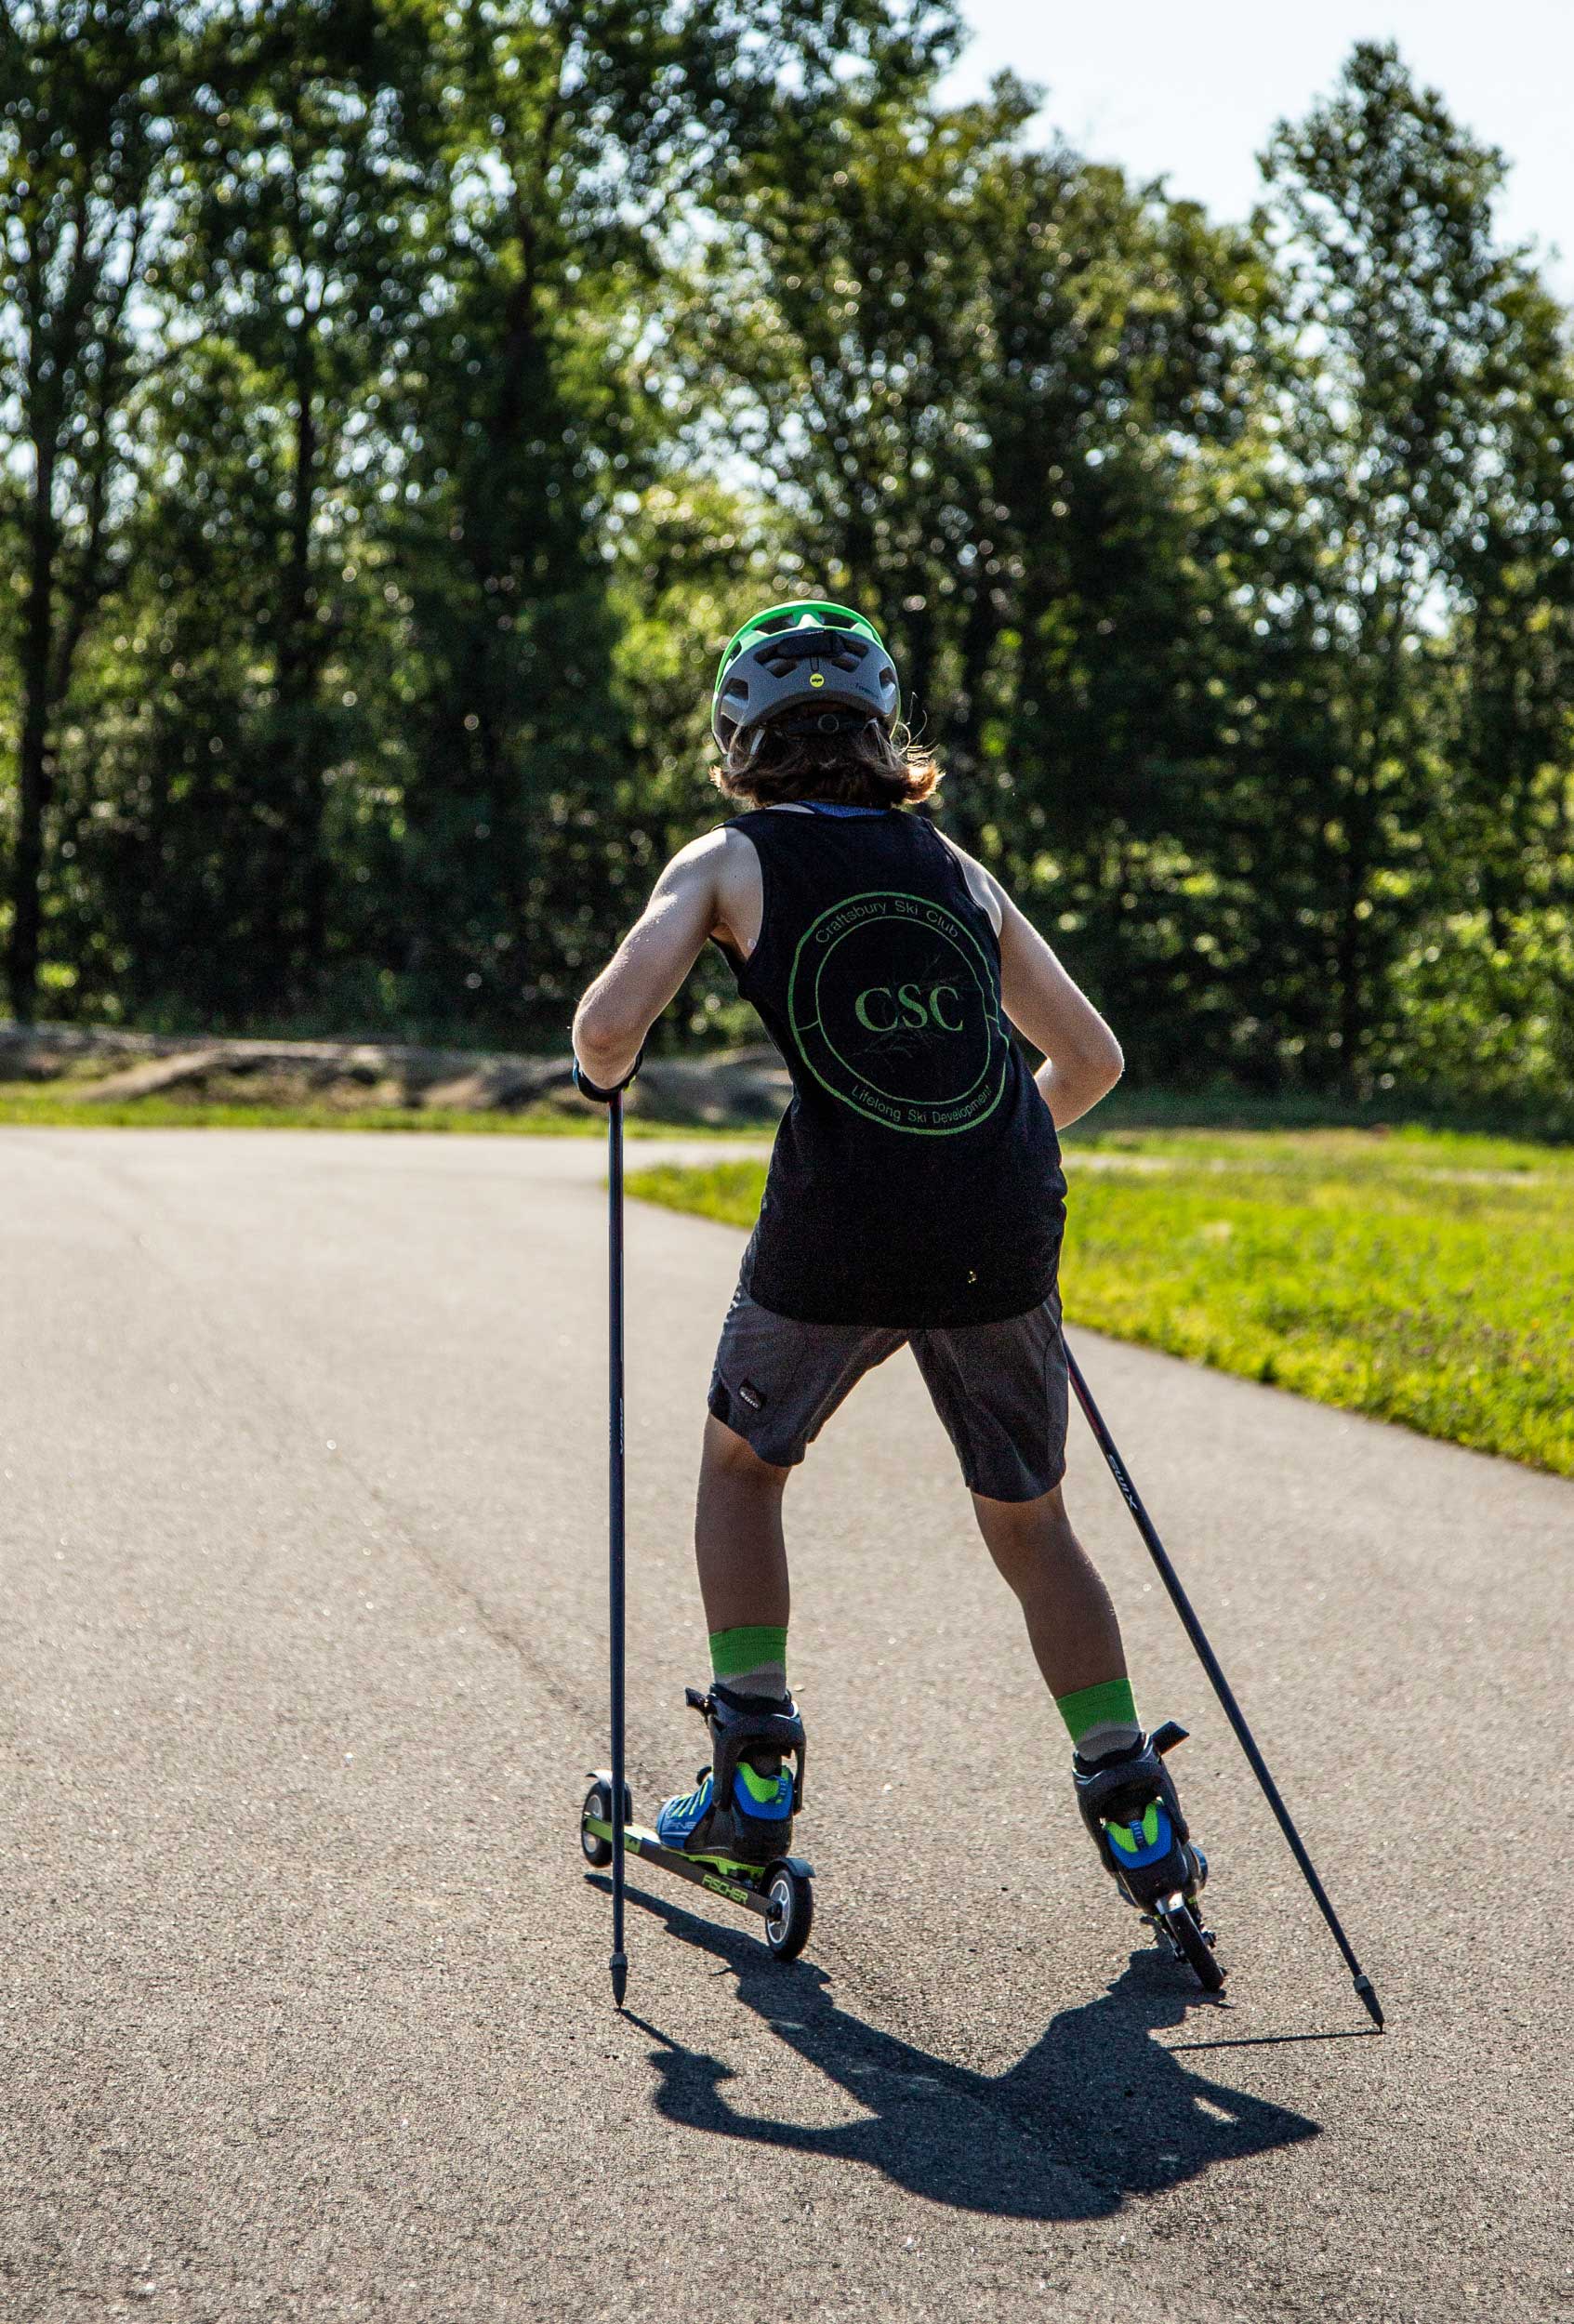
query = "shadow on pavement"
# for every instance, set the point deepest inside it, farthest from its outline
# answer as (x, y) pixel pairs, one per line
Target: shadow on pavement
(1094, 2111)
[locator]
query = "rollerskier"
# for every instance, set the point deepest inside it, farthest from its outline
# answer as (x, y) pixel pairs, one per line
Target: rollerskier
(915, 1198)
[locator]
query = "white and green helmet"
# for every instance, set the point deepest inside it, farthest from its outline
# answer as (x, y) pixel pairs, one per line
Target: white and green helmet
(811, 667)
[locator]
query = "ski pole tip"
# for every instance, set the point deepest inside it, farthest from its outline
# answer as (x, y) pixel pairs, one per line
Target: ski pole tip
(1373, 2006)
(619, 1967)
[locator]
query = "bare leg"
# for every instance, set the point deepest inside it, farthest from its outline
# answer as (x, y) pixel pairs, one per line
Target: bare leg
(739, 1544)
(1071, 1621)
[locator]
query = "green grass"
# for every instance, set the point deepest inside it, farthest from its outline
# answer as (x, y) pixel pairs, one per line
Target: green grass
(42, 1106)
(1419, 1276)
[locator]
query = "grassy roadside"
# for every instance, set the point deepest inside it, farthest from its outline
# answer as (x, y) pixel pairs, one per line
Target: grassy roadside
(1423, 1277)
(45, 1107)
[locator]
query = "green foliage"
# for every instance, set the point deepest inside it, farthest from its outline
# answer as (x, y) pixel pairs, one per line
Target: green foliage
(88, 96)
(404, 402)
(1422, 1279)
(212, 806)
(1400, 326)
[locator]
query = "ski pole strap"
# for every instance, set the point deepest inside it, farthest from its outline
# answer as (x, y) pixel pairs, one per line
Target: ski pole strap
(593, 1091)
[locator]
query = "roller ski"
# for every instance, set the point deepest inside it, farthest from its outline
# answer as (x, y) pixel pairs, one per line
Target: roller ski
(733, 1833)
(1133, 1817)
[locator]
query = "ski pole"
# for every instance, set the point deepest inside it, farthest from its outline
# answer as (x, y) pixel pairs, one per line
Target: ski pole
(1221, 1685)
(619, 1961)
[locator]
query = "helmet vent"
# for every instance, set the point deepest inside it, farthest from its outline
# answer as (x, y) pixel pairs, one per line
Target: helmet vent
(812, 645)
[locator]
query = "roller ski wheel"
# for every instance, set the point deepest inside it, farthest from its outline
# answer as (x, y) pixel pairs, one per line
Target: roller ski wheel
(598, 1809)
(789, 1910)
(1179, 1924)
(1133, 1816)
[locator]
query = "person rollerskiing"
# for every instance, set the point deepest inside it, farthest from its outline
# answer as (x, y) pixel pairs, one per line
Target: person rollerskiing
(915, 1198)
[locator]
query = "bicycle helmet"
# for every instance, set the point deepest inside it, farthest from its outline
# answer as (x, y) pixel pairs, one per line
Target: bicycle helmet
(810, 667)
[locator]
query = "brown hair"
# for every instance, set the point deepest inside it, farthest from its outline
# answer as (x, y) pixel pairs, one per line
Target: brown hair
(868, 768)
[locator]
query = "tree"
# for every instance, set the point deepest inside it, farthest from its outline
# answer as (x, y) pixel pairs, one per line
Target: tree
(296, 267)
(88, 89)
(978, 376)
(1505, 878)
(1384, 447)
(582, 144)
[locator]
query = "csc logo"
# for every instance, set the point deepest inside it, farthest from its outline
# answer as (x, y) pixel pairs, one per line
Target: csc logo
(909, 1008)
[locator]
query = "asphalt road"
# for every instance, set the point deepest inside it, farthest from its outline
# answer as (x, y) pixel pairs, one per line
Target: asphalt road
(306, 2003)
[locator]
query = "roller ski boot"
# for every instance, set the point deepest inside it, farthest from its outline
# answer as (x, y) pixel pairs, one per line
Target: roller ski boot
(742, 1811)
(730, 1836)
(1133, 1817)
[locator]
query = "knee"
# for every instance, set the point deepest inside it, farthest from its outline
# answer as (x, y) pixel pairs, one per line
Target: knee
(1030, 1520)
(727, 1454)
(1027, 1533)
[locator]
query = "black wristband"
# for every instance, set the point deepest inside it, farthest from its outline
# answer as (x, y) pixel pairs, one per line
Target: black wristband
(593, 1091)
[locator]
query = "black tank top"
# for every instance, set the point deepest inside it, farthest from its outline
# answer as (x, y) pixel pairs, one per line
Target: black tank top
(916, 1176)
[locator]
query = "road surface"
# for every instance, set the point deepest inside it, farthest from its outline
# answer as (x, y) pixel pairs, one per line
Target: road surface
(302, 1663)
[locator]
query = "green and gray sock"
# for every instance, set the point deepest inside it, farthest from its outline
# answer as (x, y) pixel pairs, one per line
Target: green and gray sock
(1101, 1718)
(751, 1661)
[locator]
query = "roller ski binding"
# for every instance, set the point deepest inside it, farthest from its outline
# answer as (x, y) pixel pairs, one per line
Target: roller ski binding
(746, 1799)
(731, 1834)
(1134, 1820)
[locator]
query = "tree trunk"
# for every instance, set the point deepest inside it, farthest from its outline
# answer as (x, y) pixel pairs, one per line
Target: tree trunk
(1352, 1011)
(298, 666)
(967, 719)
(33, 774)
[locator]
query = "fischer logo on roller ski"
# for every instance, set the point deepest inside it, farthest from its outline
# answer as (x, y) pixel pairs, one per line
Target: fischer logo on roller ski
(915, 1198)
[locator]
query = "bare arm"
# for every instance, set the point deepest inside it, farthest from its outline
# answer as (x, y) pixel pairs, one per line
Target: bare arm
(650, 964)
(1082, 1059)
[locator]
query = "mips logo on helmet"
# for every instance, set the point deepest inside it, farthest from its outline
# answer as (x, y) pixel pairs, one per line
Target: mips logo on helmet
(892, 1004)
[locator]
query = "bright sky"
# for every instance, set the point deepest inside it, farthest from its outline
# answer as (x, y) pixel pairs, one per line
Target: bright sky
(1190, 94)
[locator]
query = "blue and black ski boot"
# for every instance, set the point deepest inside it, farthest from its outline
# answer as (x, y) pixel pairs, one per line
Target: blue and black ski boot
(743, 1808)
(1130, 1806)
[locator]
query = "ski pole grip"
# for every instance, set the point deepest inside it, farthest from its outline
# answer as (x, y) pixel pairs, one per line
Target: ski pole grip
(593, 1091)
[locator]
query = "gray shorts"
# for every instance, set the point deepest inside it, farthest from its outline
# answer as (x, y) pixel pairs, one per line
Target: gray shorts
(1000, 1388)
